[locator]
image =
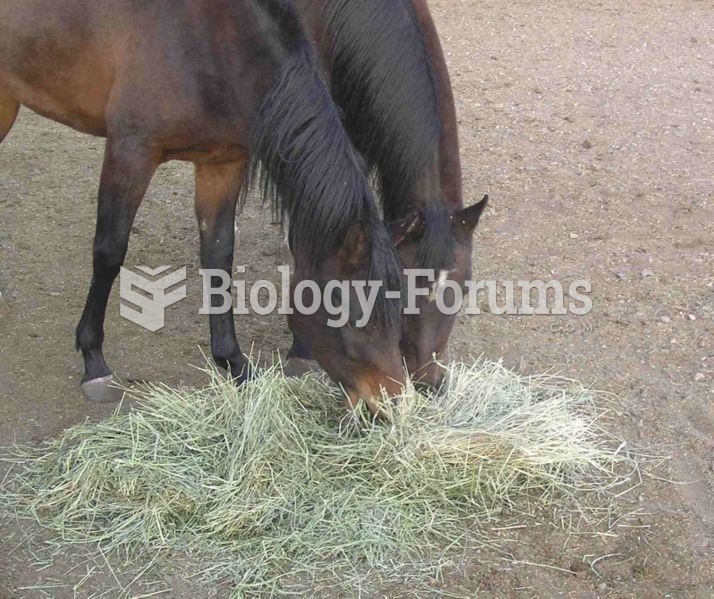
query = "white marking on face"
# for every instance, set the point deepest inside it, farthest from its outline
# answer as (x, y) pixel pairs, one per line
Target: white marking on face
(441, 279)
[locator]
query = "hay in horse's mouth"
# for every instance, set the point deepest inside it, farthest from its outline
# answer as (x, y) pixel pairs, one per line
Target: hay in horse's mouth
(273, 481)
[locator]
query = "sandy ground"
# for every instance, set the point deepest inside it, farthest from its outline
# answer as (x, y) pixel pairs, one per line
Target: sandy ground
(592, 126)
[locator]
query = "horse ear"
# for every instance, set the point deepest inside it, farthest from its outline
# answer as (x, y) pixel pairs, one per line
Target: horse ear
(354, 251)
(410, 227)
(467, 219)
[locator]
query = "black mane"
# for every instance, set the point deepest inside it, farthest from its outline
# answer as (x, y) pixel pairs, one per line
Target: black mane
(383, 80)
(309, 169)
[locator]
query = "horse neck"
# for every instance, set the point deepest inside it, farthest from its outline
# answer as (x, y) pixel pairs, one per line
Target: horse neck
(441, 181)
(415, 153)
(438, 184)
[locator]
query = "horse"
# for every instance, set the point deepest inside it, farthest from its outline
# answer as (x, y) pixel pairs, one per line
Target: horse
(386, 70)
(234, 87)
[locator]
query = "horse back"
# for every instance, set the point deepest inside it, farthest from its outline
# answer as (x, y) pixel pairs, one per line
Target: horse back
(189, 74)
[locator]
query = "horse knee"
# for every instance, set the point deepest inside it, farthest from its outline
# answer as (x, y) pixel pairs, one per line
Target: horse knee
(108, 257)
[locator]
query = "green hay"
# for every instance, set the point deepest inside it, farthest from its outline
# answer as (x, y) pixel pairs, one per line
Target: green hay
(276, 482)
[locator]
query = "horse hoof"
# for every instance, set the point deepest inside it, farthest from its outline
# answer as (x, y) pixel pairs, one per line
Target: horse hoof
(102, 390)
(297, 367)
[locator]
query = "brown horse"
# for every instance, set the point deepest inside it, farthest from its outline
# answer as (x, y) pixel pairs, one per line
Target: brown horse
(227, 85)
(387, 72)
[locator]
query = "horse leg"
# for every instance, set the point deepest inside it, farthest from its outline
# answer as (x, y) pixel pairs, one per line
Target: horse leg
(8, 113)
(127, 171)
(217, 189)
(300, 359)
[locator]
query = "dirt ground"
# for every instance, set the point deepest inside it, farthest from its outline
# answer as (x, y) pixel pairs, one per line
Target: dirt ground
(591, 124)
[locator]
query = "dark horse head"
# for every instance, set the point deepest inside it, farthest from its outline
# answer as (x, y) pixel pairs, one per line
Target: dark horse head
(389, 76)
(441, 243)
(313, 174)
(363, 354)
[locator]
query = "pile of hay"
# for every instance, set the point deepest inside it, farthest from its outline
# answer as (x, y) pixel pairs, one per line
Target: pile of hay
(275, 480)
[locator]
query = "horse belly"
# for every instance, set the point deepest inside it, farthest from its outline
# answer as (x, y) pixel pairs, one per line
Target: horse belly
(78, 104)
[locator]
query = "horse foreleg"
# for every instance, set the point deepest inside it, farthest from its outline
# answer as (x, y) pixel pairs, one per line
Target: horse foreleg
(217, 189)
(300, 359)
(8, 113)
(128, 168)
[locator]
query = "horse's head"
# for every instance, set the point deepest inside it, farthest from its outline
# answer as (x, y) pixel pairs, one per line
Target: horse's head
(425, 336)
(357, 345)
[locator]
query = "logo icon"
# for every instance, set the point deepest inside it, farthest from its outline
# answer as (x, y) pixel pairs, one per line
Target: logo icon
(150, 295)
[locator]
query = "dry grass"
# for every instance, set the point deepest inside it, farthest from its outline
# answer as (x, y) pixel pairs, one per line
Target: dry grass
(273, 482)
